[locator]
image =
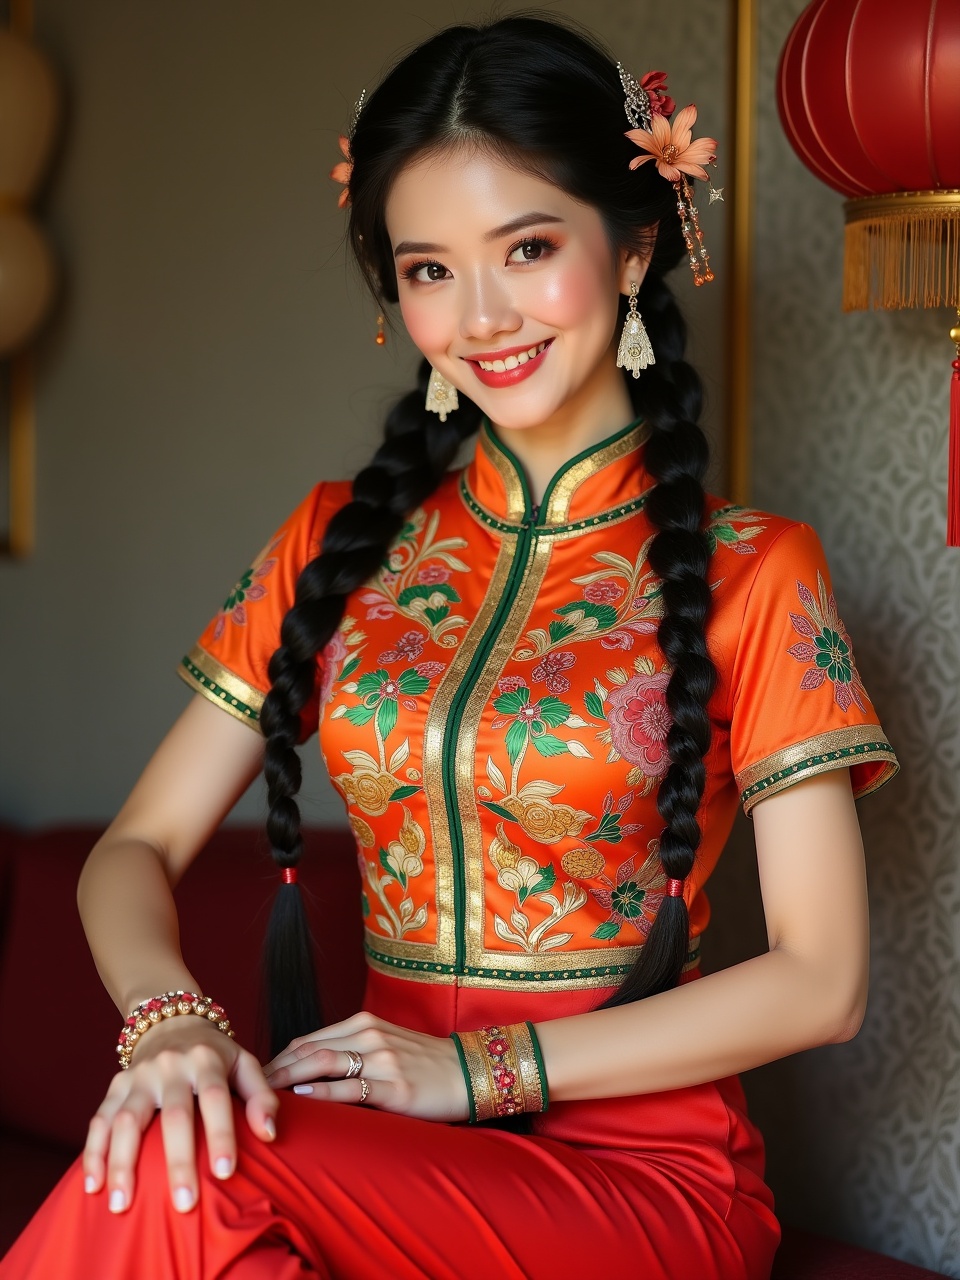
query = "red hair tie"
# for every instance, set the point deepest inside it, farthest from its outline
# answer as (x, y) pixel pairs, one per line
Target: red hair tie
(674, 889)
(289, 875)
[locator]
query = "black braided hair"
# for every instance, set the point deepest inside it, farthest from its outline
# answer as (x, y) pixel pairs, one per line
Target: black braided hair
(543, 95)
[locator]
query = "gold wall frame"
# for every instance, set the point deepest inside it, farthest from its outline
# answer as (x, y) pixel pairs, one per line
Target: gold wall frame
(739, 336)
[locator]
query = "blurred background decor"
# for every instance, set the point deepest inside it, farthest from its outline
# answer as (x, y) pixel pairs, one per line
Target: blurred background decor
(29, 116)
(869, 96)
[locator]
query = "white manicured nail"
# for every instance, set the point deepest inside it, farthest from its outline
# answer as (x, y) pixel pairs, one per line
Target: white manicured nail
(223, 1167)
(303, 1088)
(183, 1199)
(118, 1201)
(270, 1127)
(89, 1184)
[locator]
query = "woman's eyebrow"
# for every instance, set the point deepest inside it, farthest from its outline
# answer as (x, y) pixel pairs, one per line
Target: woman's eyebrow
(515, 224)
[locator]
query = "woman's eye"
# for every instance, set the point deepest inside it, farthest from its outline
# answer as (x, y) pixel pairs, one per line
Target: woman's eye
(530, 250)
(434, 270)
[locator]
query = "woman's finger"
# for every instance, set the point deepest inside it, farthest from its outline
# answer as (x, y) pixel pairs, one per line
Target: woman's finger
(176, 1123)
(310, 1064)
(216, 1111)
(250, 1083)
(126, 1132)
(370, 1093)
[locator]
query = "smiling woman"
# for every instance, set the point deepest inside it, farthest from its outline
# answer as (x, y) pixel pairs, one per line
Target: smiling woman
(543, 683)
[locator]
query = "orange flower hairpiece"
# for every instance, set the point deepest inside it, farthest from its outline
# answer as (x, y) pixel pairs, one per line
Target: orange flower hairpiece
(672, 147)
(341, 172)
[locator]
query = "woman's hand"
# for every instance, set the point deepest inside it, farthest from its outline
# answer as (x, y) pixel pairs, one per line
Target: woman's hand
(405, 1071)
(175, 1061)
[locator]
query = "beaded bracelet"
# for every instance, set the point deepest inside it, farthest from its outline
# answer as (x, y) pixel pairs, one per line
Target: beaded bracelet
(149, 1012)
(503, 1070)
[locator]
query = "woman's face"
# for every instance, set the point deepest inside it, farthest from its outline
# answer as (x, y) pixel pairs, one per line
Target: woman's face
(498, 268)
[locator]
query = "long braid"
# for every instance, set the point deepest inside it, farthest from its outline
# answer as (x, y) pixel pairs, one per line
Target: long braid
(669, 395)
(407, 467)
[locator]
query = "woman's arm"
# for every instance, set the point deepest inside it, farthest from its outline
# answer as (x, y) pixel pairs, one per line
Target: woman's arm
(126, 903)
(810, 988)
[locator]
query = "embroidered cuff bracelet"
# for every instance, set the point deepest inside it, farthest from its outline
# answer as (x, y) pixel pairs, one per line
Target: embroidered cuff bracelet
(149, 1012)
(503, 1070)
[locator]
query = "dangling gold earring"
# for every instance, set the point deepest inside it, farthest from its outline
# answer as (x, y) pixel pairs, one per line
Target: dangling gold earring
(441, 395)
(635, 351)
(381, 335)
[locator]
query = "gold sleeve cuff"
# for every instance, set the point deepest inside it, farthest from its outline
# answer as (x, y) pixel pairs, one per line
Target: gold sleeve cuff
(205, 675)
(858, 744)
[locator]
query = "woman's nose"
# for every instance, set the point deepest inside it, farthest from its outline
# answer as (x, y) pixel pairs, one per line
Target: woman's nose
(487, 308)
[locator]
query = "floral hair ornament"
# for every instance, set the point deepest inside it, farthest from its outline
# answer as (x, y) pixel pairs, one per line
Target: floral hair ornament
(341, 172)
(677, 155)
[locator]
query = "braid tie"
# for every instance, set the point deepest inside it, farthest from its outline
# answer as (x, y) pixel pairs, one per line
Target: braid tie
(408, 466)
(670, 398)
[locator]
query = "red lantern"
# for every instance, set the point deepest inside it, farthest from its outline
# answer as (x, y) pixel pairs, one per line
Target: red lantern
(869, 97)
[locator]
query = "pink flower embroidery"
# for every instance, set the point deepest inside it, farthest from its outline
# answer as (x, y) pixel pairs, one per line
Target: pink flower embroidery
(640, 721)
(827, 645)
(603, 592)
(431, 574)
(549, 670)
(672, 146)
(334, 651)
(509, 684)
(408, 647)
(249, 588)
(617, 640)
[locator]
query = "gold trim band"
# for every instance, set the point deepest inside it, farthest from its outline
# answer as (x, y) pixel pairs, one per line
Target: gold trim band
(899, 203)
(838, 749)
(205, 675)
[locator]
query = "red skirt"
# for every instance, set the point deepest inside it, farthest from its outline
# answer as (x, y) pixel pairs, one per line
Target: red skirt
(668, 1186)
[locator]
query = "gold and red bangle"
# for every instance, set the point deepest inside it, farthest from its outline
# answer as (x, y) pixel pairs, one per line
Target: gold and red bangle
(503, 1070)
(149, 1012)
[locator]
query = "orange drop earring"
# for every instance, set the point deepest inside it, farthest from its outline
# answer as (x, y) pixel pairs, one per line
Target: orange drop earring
(381, 333)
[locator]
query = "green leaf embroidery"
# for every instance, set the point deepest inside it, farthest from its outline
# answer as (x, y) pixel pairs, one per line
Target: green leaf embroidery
(516, 739)
(548, 745)
(594, 705)
(546, 880)
(401, 793)
(386, 863)
(372, 682)
(498, 809)
(386, 716)
(433, 616)
(359, 715)
(553, 710)
(365, 904)
(423, 592)
(609, 929)
(508, 704)
(350, 667)
(411, 681)
(560, 630)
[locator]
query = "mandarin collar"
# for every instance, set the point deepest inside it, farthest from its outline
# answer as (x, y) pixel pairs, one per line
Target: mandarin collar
(604, 480)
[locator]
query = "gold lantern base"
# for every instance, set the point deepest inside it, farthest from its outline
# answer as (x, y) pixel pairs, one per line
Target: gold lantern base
(902, 250)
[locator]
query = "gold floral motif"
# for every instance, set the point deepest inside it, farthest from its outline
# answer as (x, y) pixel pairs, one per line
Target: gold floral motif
(583, 864)
(406, 854)
(370, 791)
(540, 818)
(363, 831)
(503, 853)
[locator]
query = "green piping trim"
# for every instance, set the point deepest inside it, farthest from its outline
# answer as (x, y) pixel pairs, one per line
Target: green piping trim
(860, 749)
(466, 1076)
(541, 1069)
(591, 522)
(198, 677)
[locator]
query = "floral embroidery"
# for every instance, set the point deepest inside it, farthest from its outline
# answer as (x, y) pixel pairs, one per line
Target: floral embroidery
(407, 584)
(401, 861)
(721, 531)
(524, 876)
(634, 897)
(408, 647)
(640, 721)
(549, 670)
(827, 646)
(249, 588)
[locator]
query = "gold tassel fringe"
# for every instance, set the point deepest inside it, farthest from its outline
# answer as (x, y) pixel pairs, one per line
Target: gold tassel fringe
(902, 250)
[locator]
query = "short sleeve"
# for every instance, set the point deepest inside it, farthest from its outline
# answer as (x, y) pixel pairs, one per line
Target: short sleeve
(228, 664)
(798, 705)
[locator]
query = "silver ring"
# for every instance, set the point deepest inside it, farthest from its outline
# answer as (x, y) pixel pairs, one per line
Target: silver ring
(364, 1090)
(356, 1064)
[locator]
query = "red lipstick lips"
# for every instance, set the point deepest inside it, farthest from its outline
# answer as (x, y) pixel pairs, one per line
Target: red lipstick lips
(492, 378)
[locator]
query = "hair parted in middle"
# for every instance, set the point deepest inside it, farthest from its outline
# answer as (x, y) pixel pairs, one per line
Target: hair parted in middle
(544, 96)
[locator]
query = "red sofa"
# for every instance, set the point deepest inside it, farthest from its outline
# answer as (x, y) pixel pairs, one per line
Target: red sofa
(55, 1066)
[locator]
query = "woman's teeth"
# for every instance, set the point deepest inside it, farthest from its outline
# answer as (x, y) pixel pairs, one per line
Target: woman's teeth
(511, 362)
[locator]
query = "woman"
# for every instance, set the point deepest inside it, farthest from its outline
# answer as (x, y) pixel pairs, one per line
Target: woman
(543, 682)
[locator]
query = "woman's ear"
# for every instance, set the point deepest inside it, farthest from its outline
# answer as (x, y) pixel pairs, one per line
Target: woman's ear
(633, 266)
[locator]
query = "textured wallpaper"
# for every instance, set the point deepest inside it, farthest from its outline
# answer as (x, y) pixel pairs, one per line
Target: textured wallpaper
(850, 434)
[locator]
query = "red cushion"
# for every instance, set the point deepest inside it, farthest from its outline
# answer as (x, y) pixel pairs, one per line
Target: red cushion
(803, 1256)
(61, 1057)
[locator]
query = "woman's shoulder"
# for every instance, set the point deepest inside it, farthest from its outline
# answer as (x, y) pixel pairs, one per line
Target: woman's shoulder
(750, 533)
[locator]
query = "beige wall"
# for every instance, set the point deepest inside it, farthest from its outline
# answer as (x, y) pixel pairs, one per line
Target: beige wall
(213, 356)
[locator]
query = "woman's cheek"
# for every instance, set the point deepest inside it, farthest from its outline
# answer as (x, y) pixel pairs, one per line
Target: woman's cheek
(571, 296)
(427, 326)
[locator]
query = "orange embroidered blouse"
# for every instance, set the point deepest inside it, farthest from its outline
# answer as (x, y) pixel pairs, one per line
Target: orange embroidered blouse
(492, 710)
